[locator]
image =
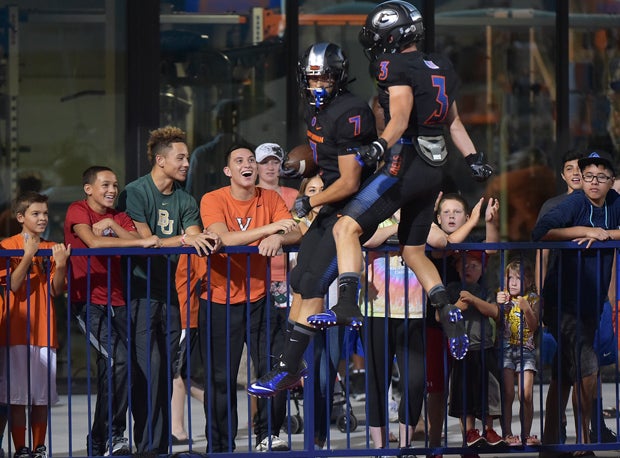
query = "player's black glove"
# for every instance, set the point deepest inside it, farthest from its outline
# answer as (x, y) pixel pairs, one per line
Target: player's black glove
(479, 170)
(370, 154)
(302, 206)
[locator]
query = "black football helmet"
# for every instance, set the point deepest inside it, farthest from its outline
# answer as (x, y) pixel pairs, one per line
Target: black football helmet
(390, 27)
(323, 60)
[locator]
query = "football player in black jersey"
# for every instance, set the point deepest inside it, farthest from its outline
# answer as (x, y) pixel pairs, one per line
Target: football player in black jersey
(417, 92)
(338, 125)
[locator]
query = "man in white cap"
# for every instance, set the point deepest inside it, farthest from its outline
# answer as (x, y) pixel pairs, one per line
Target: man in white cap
(269, 157)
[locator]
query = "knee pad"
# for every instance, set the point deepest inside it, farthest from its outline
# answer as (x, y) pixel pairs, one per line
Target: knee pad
(294, 279)
(311, 286)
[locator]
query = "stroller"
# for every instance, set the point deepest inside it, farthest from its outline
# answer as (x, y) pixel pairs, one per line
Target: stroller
(295, 422)
(342, 413)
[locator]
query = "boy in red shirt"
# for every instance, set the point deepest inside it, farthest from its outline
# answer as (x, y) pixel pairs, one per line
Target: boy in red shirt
(29, 329)
(94, 223)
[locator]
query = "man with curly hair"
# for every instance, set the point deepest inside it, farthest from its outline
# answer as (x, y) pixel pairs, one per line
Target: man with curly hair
(160, 206)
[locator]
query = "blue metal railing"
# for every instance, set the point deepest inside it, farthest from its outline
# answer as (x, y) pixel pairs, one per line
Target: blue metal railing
(69, 439)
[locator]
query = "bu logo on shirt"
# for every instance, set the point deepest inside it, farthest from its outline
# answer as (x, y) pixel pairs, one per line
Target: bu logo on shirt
(164, 222)
(242, 226)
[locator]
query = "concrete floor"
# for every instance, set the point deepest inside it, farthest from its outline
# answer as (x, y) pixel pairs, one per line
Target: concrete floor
(69, 428)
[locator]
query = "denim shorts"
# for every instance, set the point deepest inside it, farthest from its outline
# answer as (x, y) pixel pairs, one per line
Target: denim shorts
(512, 358)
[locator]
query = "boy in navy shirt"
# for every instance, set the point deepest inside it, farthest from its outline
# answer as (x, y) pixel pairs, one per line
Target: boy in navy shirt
(576, 284)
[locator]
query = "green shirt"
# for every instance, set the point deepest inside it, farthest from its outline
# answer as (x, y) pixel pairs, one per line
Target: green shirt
(167, 215)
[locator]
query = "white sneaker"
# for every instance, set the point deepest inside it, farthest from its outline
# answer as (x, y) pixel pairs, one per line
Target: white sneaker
(277, 445)
(119, 446)
(40, 452)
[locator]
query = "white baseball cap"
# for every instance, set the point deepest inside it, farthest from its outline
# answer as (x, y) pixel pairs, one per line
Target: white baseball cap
(265, 150)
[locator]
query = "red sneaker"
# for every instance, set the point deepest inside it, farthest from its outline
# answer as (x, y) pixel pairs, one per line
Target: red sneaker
(493, 438)
(474, 439)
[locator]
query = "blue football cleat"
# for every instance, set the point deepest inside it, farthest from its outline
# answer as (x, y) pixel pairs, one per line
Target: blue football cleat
(278, 379)
(330, 318)
(453, 325)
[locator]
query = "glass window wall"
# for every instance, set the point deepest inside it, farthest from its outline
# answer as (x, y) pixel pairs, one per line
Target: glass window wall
(61, 77)
(594, 75)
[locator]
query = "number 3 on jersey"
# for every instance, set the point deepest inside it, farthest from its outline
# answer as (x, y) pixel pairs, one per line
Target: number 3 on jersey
(439, 82)
(441, 111)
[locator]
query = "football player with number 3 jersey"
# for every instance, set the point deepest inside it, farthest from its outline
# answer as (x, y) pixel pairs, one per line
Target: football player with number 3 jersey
(417, 93)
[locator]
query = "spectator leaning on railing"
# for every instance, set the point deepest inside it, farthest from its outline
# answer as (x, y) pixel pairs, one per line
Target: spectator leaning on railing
(159, 206)
(94, 223)
(585, 216)
(395, 329)
(241, 214)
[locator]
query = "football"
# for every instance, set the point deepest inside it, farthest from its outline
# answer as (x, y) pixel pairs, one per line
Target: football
(299, 162)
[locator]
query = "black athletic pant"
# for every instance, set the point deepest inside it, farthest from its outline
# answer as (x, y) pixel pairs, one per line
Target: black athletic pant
(106, 330)
(405, 340)
(223, 333)
(154, 341)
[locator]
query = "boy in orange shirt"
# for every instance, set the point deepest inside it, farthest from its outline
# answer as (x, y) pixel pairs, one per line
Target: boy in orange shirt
(241, 214)
(29, 330)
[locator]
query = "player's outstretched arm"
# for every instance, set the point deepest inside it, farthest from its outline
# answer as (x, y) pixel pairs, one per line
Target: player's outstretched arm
(461, 139)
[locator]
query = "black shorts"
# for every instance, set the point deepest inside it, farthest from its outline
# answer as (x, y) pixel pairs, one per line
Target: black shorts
(414, 192)
(578, 358)
(472, 378)
(316, 266)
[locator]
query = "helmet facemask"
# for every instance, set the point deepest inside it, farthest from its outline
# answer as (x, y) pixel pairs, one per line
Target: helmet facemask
(319, 92)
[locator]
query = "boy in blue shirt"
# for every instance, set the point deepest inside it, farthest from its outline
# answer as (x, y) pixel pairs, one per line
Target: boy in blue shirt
(576, 285)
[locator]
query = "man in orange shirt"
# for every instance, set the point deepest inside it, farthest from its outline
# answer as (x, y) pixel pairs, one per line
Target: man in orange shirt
(241, 214)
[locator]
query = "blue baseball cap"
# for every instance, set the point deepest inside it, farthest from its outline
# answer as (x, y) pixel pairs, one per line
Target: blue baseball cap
(598, 158)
